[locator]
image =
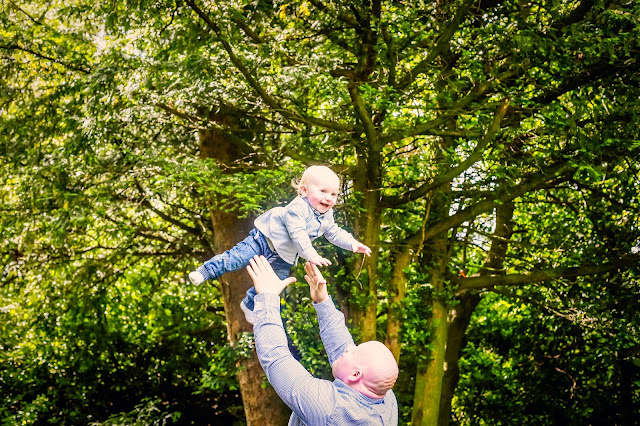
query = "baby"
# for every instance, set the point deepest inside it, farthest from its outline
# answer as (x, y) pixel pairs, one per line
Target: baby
(283, 234)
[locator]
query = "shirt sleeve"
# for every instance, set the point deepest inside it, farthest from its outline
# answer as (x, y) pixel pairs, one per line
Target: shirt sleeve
(312, 399)
(333, 331)
(294, 220)
(339, 237)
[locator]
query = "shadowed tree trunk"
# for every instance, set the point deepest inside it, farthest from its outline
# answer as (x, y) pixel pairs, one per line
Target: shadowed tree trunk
(397, 290)
(367, 181)
(460, 315)
(430, 371)
(262, 406)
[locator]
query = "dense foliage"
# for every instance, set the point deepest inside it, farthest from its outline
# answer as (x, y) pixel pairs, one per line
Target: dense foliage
(489, 152)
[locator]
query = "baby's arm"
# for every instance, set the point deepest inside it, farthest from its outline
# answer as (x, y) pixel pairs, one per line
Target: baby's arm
(345, 240)
(358, 247)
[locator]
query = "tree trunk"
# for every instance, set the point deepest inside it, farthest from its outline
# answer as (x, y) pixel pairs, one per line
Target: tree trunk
(367, 181)
(262, 406)
(397, 290)
(426, 399)
(461, 315)
(458, 322)
(429, 378)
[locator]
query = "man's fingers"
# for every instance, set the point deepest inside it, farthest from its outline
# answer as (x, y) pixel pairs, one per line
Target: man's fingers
(252, 265)
(308, 267)
(264, 263)
(258, 262)
(252, 274)
(252, 262)
(315, 270)
(313, 275)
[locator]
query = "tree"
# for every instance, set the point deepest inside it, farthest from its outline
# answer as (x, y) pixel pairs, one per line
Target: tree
(473, 137)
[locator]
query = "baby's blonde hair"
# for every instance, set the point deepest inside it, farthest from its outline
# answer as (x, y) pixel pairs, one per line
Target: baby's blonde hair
(311, 173)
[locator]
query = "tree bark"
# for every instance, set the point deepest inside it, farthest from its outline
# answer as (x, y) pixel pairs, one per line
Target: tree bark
(426, 399)
(367, 181)
(397, 290)
(459, 320)
(622, 263)
(262, 406)
(429, 378)
(461, 314)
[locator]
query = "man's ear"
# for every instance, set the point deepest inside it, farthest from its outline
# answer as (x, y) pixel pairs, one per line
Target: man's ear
(355, 376)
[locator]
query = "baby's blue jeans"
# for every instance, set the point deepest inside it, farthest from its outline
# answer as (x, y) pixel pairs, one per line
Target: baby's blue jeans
(238, 257)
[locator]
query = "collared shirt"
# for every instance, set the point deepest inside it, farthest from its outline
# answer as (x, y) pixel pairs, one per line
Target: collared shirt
(292, 228)
(315, 401)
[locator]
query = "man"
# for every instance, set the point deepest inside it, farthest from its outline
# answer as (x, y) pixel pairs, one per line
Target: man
(364, 375)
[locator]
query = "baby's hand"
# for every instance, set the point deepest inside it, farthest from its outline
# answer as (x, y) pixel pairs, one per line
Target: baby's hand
(360, 248)
(320, 261)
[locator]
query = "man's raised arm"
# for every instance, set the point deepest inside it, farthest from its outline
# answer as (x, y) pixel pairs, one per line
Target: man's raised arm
(311, 399)
(333, 330)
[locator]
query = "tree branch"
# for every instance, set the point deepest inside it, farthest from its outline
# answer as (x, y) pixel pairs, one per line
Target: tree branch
(257, 87)
(363, 115)
(247, 30)
(532, 184)
(443, 42)
(178, 114)
(145, 202)
(309, 161)
(429, 128)
(572, 82)
(545, 274)
(468, 162)
(342, 16)
(199, 121)
(576, 15)
(31, 18)
(45, 57)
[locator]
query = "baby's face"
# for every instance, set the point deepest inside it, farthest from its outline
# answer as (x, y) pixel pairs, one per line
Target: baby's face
(322, 192)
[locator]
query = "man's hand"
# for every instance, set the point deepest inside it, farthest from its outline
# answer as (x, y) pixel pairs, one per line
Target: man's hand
(317, 283)
(320, 261)
(360, 248)
(263, 277)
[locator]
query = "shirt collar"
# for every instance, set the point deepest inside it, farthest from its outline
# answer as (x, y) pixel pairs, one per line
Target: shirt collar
(316, 212)
(339, 383)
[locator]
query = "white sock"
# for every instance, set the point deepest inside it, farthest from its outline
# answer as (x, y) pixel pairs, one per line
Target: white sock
(248, 314)
(196, 277)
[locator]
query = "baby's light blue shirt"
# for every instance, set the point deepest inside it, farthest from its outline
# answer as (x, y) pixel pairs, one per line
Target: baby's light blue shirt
(292, 228)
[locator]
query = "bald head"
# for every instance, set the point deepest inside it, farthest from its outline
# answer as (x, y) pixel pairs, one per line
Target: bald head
(369, 368)
(379, 367)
